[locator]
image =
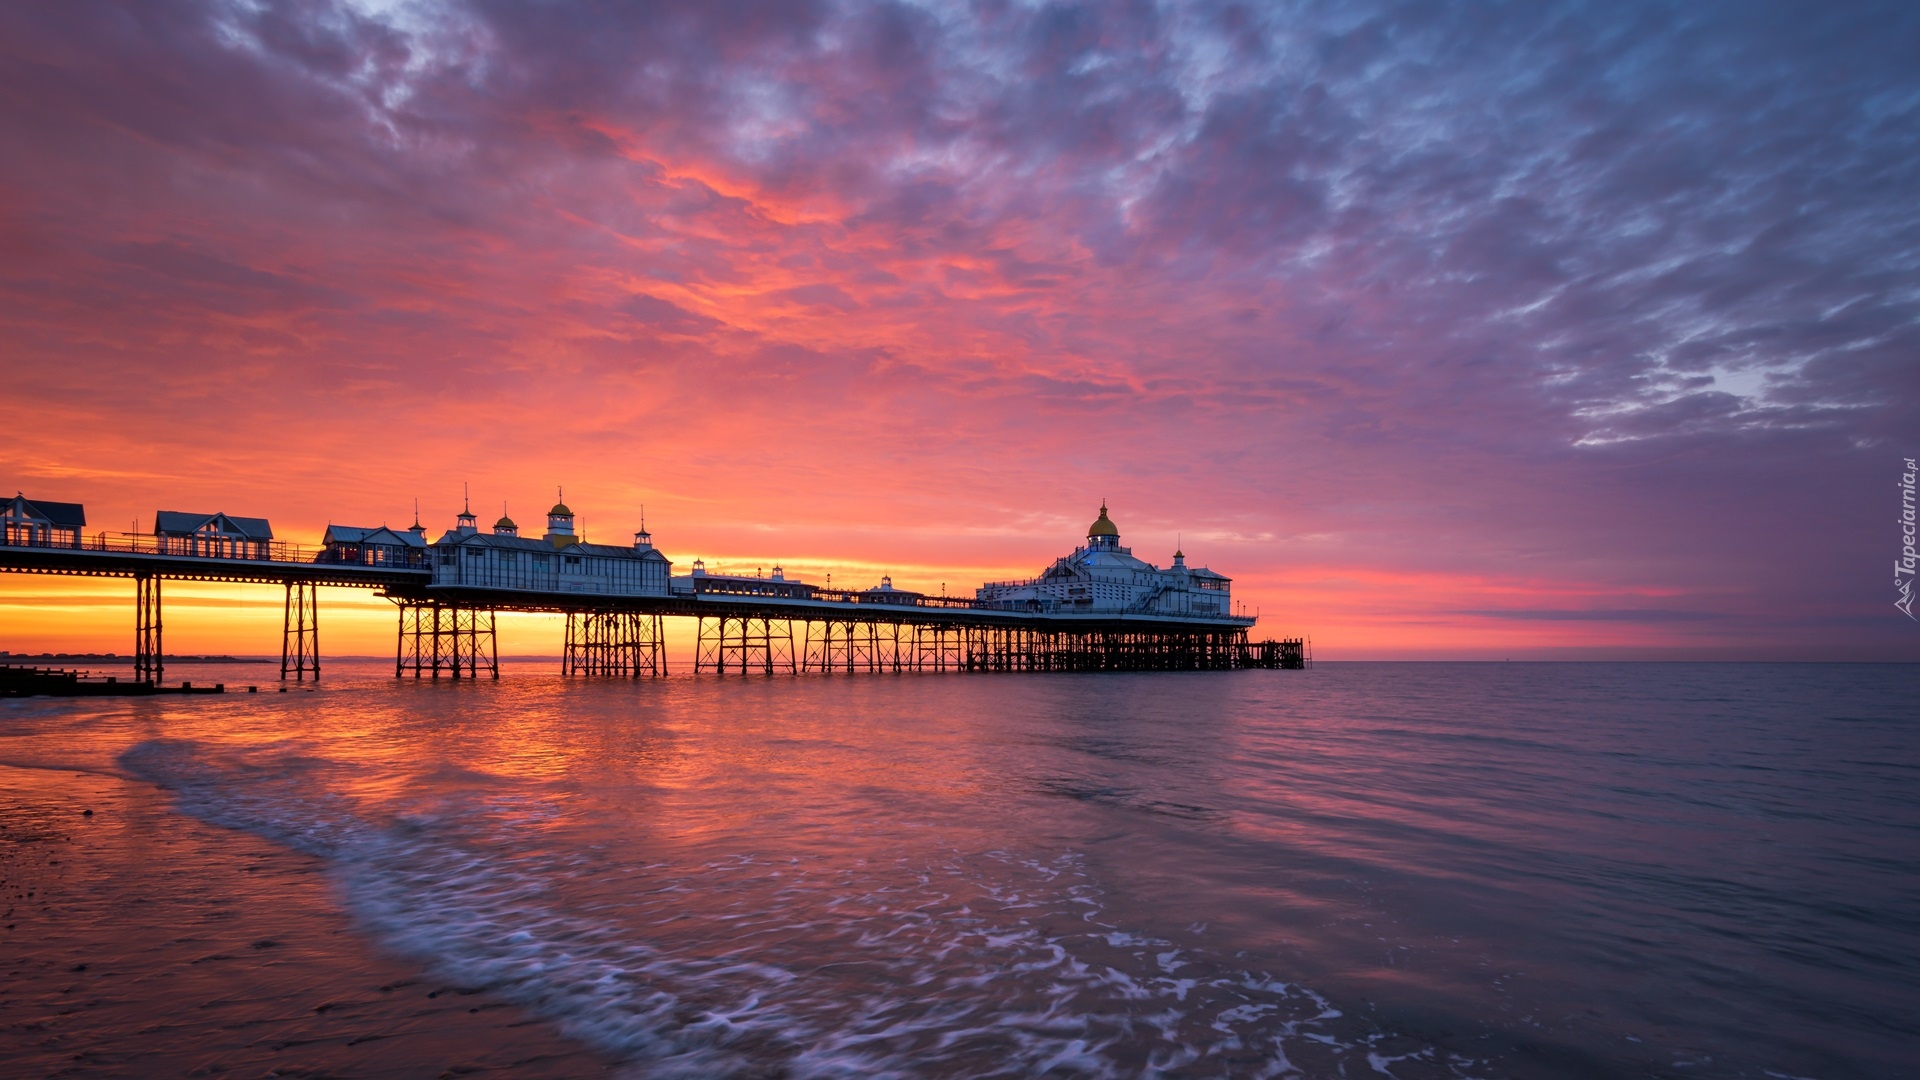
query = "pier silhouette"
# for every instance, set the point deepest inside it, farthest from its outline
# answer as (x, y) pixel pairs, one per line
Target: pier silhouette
(615, 600)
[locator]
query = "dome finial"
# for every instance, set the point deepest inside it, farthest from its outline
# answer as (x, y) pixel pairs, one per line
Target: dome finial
(1103, 525)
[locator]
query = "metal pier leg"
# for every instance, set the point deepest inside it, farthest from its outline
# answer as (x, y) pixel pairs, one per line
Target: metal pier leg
(435, 637)
(647, 646)
(467, 632)
(455, 653)
(300, 632)
(148, 654)
(618, 643)
(784, 653)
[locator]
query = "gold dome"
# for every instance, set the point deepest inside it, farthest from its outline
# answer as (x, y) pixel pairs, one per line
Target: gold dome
(560, 510)
(1103, 525)
(505, 522)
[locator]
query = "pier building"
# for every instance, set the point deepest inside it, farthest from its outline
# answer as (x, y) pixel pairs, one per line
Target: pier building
(349, 545)
(885, 593)
(1104, 577)
(41, 523)
(702, 583)
(213, 536)
(558, 562)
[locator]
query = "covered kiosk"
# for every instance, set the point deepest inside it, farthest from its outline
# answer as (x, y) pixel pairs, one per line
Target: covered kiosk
(38, 523)
(212, 536)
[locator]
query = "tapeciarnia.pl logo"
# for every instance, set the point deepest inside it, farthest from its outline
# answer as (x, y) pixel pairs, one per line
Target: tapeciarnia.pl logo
(1904, 564)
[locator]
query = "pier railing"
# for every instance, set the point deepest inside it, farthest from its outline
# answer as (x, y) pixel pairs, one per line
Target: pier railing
(145, 544)
(882, 599)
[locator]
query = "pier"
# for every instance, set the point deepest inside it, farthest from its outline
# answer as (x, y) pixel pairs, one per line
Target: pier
(1096, 610)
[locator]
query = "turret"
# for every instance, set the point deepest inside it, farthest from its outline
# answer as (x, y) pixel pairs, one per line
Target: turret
(1103, 534)
(560, 525)
(466, 524)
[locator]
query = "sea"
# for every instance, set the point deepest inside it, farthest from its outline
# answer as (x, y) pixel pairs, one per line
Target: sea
(1402, 870)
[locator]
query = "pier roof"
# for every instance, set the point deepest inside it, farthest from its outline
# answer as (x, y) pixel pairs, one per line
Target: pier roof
(380, 534)
(546, 547)
(68, 515)
(175, 521)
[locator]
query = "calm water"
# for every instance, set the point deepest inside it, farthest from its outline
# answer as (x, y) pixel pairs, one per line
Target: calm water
(1364, 869)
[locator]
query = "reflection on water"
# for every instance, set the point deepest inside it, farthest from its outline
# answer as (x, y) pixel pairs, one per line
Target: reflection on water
(1416, 870)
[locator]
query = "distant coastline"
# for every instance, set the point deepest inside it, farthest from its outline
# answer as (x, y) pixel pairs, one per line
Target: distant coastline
(117, 658)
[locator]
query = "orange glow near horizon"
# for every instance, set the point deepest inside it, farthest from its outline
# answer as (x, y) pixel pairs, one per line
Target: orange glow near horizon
(1333, 605)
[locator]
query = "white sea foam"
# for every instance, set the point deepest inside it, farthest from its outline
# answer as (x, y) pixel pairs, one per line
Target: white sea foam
(991, 963)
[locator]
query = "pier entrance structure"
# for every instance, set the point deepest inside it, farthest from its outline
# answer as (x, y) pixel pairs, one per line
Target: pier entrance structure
(192, 547)
(1099, 608)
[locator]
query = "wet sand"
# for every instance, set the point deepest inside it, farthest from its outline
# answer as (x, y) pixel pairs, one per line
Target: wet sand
(139, 942)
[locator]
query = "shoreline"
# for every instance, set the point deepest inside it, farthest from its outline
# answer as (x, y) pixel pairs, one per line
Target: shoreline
(141, 941)
(34, 659)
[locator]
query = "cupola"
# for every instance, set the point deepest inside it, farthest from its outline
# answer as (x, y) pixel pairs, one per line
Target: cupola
(560, 523)
(505, 526)
(1103, 533)
(466, 524)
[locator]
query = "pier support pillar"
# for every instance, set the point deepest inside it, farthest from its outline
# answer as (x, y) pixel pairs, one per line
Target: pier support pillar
(743, 643)
(936, 647)
(300, 632)
(436, 637)
(854, 645)
(619, 643)
(148, 653)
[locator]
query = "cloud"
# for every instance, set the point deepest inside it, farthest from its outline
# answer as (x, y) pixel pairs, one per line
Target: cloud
(1599, 296)
(1629, 615)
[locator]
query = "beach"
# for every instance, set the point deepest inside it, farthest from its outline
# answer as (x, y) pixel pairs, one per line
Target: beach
(138, 942)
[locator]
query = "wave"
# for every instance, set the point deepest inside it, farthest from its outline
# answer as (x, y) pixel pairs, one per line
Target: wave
(949, 962)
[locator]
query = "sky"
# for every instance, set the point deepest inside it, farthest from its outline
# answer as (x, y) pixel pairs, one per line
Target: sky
(1447, 330)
